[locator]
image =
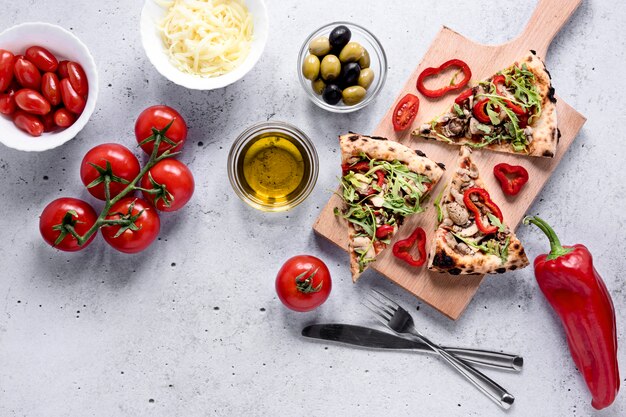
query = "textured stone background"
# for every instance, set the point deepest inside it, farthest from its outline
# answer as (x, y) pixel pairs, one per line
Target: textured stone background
(193, 327)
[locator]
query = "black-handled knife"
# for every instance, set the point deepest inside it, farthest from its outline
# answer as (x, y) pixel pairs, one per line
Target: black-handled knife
(376, 339)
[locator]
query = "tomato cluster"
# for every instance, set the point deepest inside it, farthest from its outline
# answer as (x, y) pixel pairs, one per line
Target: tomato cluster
(40, 93)
(112, 173)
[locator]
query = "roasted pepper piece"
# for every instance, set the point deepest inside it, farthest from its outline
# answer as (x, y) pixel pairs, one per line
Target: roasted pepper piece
(382, 232)
(484, 197)
(467, 75)
(402, 248)
(579, 296)
(499, 80)
(512, 177)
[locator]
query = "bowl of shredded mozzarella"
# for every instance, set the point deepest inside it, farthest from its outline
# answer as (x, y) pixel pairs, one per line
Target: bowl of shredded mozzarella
(204, 44)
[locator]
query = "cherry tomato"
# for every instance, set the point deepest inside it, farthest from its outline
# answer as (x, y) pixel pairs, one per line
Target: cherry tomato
(82, 218)
(48, 122)
(42, 58)
(159, 117)
(7, 62)
(32, 102)
(405, 112)
(62, 70)
(27, 73)
(64, 118)
(78, 78)
(51, 88)
(303, 283)
(71, 99)
(123, 162)
(174, 180)
(7, 103)
(148, 225)
(29, 123)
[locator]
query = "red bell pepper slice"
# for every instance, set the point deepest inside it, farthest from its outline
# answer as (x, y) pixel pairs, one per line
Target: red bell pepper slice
(402, 248)
(464, 96)
(512, 177)
(383, 232)
(430, 71)
(499, 80)
(479, 111)
(483, 195)
(365, 166)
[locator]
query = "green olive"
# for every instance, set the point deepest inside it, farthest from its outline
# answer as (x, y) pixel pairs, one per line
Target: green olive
(352, 52)
(318, 85)
(353, 95)
(319, 46)
(311, 67)
(364, 61)
(331, 67)
(366, 77)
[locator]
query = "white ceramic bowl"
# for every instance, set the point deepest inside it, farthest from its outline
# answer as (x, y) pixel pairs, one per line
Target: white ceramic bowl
(153, 13)
(64, 45)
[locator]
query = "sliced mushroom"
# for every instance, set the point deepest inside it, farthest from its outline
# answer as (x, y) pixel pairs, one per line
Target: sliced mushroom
(450, 240)
(454, 127)
(377, 201)
(457, 213)
(361, 242)
(470, 231)
(458, 197)
(463, 249)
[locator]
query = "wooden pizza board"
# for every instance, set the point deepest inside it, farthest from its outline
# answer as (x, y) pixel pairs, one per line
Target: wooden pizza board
(446, 293)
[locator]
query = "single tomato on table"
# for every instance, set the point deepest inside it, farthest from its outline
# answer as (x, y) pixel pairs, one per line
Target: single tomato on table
(303, 283)
(111, 159)
(143, 228)
(63, 212)
(172, 184)
(158, 117)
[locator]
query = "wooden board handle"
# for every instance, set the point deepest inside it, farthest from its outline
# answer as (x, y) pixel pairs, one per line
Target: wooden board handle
(547, 20)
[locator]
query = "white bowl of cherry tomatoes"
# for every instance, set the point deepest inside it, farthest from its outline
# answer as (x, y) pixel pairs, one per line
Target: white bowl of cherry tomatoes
(48, 86)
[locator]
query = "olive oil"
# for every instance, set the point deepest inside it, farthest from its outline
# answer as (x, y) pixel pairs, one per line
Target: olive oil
(273, 168)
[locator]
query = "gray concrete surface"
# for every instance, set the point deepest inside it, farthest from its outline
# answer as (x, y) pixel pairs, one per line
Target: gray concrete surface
(192, 326)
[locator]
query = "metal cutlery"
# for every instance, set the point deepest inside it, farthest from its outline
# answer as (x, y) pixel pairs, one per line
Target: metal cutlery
(400, 321)
(376, 339)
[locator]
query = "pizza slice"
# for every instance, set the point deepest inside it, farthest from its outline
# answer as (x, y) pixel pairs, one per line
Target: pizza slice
(382, 182)
(472, 237)
(513, 111)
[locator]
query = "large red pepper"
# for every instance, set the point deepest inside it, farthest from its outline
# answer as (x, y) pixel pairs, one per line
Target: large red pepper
(512, 177)
(486, 201)
(467, 75)
(499, 80)
(402, 248)
(578, 295)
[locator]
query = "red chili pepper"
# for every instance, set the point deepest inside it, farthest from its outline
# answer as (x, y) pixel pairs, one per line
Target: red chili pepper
(436, 70)
(576, 292)
(512, 177)
(486, 201)
(382, 232)
(479, 111)
(464, 96)
(402, 248)
(500, 80)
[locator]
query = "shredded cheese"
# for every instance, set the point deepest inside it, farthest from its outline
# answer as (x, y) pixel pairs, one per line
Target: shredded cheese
(206, 37)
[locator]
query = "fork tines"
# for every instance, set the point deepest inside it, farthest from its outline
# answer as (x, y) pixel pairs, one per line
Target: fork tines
(381, 305)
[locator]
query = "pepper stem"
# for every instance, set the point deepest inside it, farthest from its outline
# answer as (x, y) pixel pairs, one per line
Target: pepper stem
(556, 249)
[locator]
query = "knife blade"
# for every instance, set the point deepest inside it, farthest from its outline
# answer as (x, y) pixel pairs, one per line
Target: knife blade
(376, 339)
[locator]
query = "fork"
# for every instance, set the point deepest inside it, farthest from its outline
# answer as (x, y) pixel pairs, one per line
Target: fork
(400, 321)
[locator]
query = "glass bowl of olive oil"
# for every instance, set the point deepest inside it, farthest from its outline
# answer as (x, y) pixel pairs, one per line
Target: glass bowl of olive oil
(273, 166)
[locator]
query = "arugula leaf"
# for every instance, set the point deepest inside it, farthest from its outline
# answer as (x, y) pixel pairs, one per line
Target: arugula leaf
(458, 110)
(493, 116)
(483, 128)
(496, 222)
(437, 204)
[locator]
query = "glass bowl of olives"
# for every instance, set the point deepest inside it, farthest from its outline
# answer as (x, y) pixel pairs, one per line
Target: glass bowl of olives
(342, 67)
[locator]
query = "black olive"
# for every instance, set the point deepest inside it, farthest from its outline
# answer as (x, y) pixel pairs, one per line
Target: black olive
(339, 37)
(349, 74)
(331, 94)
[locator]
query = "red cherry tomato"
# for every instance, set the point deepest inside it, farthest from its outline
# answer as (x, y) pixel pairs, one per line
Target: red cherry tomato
(405, 112)
(48, 122)
(64, 118)
(71, 99)
(62, 70)
(159, 117)
(148, 225)
(7, 62)
(32, 102)
(82, 219)
(78, 78)
(123, 162)
(7, 103)
(29, 123)
(303, 283)
(51, 88)
(42, 58)
(27, 73)
(174, 180)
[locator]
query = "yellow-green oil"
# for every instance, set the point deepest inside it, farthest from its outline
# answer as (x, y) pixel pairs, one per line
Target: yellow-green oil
(273, 168)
